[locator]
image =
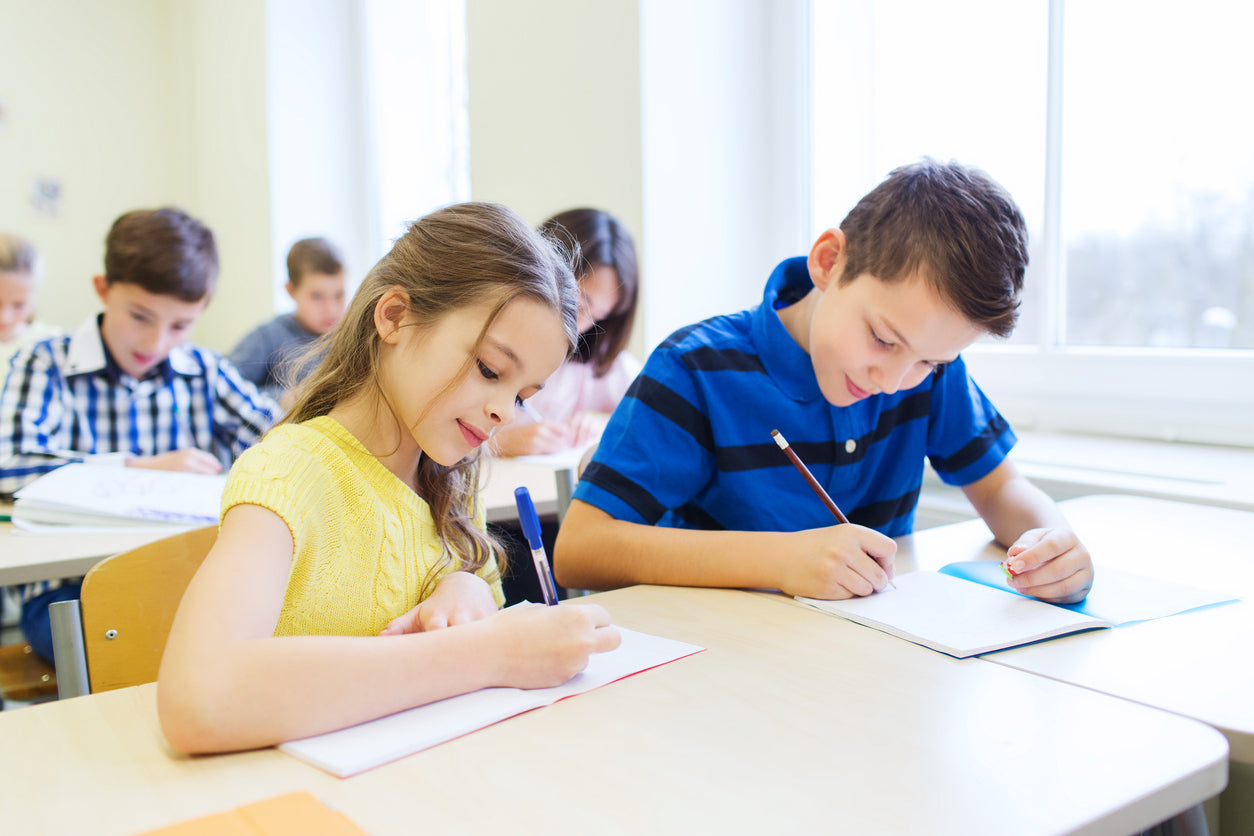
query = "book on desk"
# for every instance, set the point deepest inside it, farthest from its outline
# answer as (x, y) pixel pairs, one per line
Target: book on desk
(967, 608)
(83, 497)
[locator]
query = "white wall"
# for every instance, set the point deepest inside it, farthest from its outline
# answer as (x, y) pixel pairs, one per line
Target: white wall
(726, 162)
(315, 116)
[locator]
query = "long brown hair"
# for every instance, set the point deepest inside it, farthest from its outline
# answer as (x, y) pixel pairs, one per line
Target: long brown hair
(601, 241)
(463, 255)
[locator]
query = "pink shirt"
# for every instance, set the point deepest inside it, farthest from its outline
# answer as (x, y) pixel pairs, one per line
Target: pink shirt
(572, 388)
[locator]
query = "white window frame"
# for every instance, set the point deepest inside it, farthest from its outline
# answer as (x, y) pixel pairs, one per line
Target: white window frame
(1191, 395)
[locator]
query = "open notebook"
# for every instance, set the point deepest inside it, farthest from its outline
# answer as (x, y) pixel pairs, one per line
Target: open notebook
(97, 496)
(967, 608)
(367, 745)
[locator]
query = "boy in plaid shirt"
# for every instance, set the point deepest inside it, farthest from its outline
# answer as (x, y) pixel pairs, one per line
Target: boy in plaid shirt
(125, 388)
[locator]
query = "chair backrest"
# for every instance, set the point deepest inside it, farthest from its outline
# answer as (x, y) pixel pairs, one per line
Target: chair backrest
(128, 602)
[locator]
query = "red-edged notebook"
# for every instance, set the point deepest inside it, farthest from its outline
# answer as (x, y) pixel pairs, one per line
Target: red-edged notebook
(367, 745)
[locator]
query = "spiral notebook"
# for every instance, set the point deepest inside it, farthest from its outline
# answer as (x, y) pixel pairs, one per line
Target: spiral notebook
(367, 745)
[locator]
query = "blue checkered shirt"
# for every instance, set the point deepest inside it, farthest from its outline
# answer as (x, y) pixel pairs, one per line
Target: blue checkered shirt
(66, 400)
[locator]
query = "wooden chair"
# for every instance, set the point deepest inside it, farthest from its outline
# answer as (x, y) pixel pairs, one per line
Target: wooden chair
(114, 635)
(24, 677)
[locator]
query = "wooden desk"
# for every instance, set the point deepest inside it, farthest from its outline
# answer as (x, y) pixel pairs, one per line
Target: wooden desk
(791, 721)
(27, 557)
(1195, 664)
(501, 476)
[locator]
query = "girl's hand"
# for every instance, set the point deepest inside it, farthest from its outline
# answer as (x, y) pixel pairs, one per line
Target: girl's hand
(1051, 564)
(459, 598)
(541, 647)
(586, 427)
(842, 561)
(530, 439)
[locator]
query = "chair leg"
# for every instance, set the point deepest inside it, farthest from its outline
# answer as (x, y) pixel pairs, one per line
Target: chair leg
(1192, 822)
(69, 655)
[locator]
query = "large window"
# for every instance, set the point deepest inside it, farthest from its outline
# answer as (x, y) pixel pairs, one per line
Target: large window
(1122, 129)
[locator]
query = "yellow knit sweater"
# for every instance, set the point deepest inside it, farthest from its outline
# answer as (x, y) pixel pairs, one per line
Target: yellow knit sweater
(364, 541)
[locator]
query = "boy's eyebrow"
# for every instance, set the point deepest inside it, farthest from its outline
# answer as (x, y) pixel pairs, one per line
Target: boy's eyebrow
(897, 336)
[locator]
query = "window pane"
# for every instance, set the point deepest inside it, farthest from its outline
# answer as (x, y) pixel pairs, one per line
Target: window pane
(1158, 174)
(895, 80)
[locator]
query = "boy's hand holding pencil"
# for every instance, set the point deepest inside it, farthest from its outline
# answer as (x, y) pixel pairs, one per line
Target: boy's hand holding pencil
(850, 561)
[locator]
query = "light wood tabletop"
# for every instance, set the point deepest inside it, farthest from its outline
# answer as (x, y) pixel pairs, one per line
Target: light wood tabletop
(790, 721)
(1196, 663)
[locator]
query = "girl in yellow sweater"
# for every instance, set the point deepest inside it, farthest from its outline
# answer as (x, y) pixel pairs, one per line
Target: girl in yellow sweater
(352, 576)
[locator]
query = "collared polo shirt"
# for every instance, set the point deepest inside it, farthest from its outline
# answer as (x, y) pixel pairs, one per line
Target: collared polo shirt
(690, 445)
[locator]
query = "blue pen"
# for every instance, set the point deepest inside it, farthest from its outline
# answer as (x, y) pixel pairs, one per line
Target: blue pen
(531, 530)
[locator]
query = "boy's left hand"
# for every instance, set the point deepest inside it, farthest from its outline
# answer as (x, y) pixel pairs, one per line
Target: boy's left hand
(458, 599)
(1050, 564)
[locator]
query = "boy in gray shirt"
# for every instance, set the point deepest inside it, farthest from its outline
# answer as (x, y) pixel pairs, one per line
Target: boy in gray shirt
(269, 355)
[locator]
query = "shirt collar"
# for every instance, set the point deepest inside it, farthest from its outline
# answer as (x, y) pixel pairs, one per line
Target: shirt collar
(786, 362)
(87, 354)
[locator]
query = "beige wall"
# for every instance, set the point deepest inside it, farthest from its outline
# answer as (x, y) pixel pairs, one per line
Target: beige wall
(134, 103)
(130, 104)
(554, 112)
(222, 75)
(90, 101)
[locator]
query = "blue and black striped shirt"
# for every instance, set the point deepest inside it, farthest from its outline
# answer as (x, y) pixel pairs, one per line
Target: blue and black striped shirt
(690, 445)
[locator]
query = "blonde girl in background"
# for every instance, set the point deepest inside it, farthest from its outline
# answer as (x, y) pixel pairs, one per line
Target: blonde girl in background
(20, 272)
(353, 576)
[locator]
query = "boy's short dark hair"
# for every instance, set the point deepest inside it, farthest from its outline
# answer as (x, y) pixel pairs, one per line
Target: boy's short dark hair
(955, 224)
(313, 255)
(164, 251)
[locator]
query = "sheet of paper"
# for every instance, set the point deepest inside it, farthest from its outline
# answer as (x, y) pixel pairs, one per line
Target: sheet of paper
(367, 745)
(568, 458)
(955, 616)
(1118, 597)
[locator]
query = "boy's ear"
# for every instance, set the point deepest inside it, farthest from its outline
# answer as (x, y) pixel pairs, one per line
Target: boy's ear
(291, 289)
(827, 258)
(389, 314)
(101, 287)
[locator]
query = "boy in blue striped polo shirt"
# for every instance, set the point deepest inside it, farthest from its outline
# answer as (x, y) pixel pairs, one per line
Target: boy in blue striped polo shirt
(854, 356)
(125, 388)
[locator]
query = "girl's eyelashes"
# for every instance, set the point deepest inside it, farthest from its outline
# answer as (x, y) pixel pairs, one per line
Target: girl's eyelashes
(880, 342)
(486, 372)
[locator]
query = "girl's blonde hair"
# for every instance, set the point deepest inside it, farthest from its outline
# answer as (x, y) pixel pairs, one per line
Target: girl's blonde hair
(463, 255)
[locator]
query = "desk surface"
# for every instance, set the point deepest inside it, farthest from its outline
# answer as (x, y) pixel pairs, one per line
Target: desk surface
(1195, 663)
(792, 720)
(25, 557)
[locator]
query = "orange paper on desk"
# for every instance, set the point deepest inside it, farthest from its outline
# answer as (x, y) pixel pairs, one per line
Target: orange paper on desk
(294, 814)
